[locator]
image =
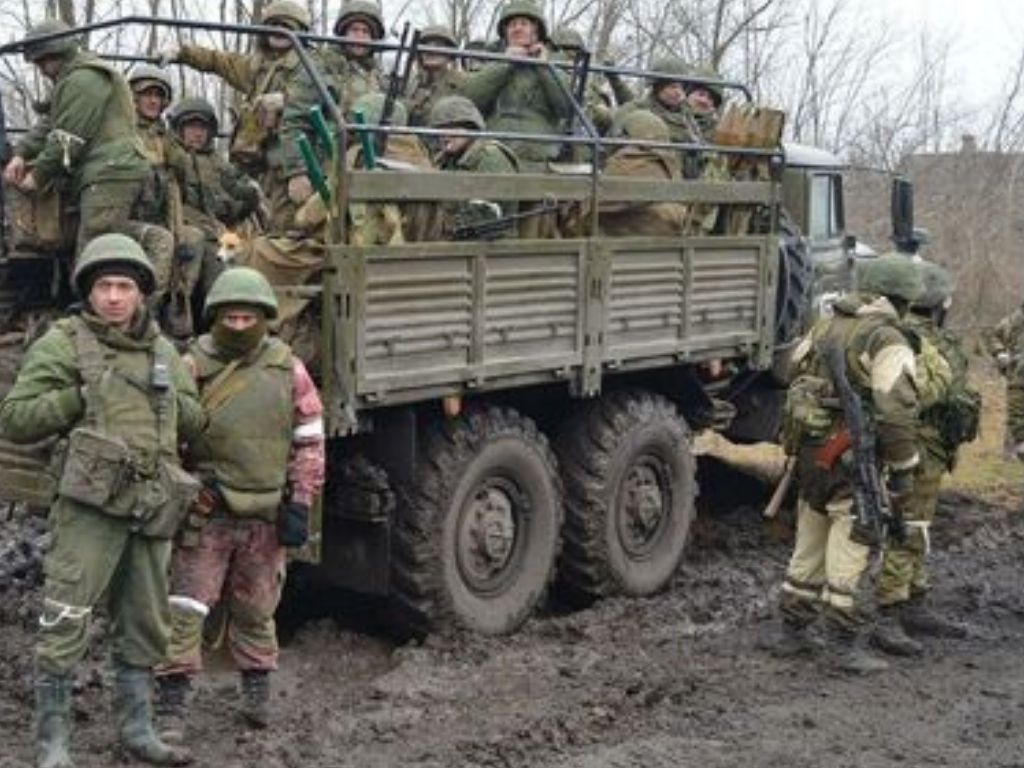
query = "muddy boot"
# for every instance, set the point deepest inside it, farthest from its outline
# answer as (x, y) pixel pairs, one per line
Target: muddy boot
(920, 620)
(256, 697)
(788, 638)
(888, 634)
(172, 707)
(53, 721)
(848, 646)
(133, 687)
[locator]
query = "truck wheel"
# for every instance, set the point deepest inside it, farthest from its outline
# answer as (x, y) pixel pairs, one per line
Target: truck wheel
(796, 276)
(475, 543)
(630, 490)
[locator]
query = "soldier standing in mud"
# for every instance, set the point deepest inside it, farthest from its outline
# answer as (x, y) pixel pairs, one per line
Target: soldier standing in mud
(117, 389)
(261, 461)
(949, 417)
(1006, 344)
(827, 564)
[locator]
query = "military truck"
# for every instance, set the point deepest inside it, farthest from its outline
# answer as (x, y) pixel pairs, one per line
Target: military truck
(504, 415)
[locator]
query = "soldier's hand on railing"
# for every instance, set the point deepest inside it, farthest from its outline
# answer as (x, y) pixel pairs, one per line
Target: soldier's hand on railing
(300, 189)
(168, 55)
(14, 172)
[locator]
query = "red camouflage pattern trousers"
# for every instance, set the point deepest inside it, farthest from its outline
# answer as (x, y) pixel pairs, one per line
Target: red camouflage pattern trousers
(240, 563)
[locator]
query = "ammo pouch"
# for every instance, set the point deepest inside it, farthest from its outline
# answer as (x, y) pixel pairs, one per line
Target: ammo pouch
(167, 500)
(958, 420)
(97, 471)
(37, 220)
(804, 414)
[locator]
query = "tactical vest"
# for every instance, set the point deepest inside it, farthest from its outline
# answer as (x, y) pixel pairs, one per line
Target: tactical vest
(246, 446)
(119, 119)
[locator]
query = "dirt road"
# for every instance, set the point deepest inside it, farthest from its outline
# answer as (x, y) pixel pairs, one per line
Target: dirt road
(669, 681)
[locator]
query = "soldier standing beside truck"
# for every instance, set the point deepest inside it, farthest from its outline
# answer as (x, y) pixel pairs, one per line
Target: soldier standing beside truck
(829, 557)
(261, 461)
(119, 391)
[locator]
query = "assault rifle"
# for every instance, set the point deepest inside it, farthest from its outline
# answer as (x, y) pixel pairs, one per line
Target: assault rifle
(875, 516)
(476, 224)
(397, 82)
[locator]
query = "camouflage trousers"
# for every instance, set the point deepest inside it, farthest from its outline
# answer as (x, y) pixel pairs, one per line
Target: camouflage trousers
(904, 571)
(91, 556)
(826, 566)
(1014, 412)
(239, 563)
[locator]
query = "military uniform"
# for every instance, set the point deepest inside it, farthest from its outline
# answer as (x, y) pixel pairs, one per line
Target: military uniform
(1006, 344)
(949, 416)
(262, 462)
(682, 125)
(428, 86)
(126, 400)
(356, 75)
(827, 563)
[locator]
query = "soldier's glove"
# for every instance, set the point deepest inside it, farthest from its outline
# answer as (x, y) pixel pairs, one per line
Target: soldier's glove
(293, 524)
(168, 55)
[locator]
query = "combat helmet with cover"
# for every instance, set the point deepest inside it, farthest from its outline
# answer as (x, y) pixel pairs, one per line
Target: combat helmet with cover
(372, 106)
(241, 286)
(526, 9)
(641, 125)
(61, 46)
(566, 38)
(669, 65)
(287, 14)
(938, 286)
(366, 11)
(707, 72)
(456, 111)
(438, 36)
(194, 108)
(892, 275)
(147, 76)
(111, 252)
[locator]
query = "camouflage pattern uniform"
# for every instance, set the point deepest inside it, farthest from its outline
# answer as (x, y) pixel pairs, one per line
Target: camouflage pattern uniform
(682, 125)
(941, 375)
(427, 86)
(356, 75)
(105, 550)
(479, 156)
(827, 564)
(597, 100)
(707, 120)
(261, 460)
(1006, 343)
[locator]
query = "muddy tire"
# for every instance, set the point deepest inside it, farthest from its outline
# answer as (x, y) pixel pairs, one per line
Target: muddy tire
(630, 489)
(476, 539)
(796, 277)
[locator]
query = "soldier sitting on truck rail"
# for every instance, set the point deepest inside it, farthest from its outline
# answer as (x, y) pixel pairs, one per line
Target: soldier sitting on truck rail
(471, 155)
(666, 98)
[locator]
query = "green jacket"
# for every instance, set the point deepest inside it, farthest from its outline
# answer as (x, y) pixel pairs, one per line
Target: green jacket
(246, 447)
(48, 397)
(88, 134)
(522, 99)
(482, 156)
(683, 127)
(213, 188)
(422, 94)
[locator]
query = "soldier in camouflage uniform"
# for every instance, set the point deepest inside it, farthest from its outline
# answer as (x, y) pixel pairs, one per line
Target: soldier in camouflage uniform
(355, 66)
(705, 101)
(261, 460)
(949, 417)
(107, 379)
(827, 562)
(667, 99)
(271, 80)
(86, 145)
(603, 92)
(470, 155)
(436, 75)
(1006, 344)
(473, 65)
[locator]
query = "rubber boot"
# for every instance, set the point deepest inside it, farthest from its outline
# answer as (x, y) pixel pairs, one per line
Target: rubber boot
(788, 638)
(889, 636)
(256, 697)
(848, 646)
(133, 687)
(53, 721)
(920, 620)
(172, 706)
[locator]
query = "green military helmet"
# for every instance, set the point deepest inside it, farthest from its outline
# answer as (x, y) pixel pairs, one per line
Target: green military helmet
(566, 38)
(360, 10)
(372, 106)
(438, 36)
(642, 125)
(525, 8)
(194, 108)
(456, 110)
(241, 286)
(287, 14)
(61, 46)
(147, 76)
(892, 274)
(710, 73)
(938, 286)
(109, 250)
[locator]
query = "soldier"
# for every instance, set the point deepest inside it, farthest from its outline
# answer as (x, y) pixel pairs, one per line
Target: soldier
(86, 145)
(827, 562)
(269, 78)
(600, 100)
(355, 66)
(108, 380)
(472, 155)
(667, 100)
(473, 65)
(950, 410)
(705, 101)
(216, 195)
(437, 75)
(521, 98)
(664, 219)
(1006, 344)
(261, 461)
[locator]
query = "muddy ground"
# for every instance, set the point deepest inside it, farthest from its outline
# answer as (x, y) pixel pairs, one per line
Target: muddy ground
(675, 680)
